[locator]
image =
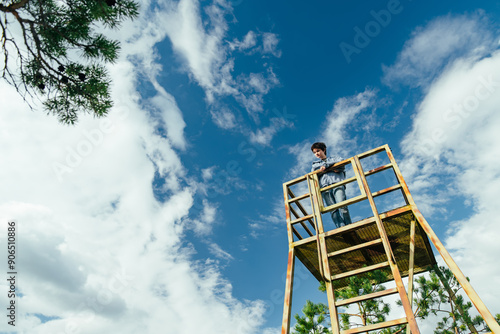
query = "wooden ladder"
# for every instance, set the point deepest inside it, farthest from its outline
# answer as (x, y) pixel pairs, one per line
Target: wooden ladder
(312, 225)
(324, 257)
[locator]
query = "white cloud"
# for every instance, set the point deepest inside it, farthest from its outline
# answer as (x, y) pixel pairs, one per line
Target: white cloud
(223, 118)
(270, 44)
(248, 42)
(341, 117)
(272, 330)
(337, 132)
(268, 221)
(452, 153)
(253, 103)
(171, 116)
(261, 84)
(454, 119)
(202, 225)
(201, 48)
(97, 251)
(438, 43)
(207, 173)
(207, 56)
(264, 135)
(218, 252)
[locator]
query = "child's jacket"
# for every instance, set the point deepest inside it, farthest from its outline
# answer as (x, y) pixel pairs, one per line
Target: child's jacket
(331, 177)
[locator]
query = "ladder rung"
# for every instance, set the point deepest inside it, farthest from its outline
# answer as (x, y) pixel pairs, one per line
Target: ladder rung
(372, 152)
(386, 190)
(378, 169)
(361, 270)
(369, 296)
(349, 227)
(347, 202)
(373, 327)
(301, 219)
(338, 184)
(296, 233)
(295, 181)
(353, 248)
(298, 198)
(302, 223)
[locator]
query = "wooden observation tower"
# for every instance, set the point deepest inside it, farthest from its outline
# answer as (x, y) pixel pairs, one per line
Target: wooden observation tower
(395, 241)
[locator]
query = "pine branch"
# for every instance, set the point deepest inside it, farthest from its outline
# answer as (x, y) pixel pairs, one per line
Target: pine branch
(47, 31)
(13, 6)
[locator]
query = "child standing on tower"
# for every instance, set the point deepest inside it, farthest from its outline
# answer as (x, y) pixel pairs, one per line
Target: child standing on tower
(340, 216)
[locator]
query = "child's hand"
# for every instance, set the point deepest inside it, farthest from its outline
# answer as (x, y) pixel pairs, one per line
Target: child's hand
(322, 168)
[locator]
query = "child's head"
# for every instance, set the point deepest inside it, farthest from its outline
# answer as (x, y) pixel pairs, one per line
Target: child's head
(319, 149)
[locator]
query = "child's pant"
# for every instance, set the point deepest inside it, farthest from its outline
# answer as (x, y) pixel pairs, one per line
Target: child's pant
(340, 216)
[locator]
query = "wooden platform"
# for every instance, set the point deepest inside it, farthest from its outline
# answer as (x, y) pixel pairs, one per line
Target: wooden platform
(397, 225)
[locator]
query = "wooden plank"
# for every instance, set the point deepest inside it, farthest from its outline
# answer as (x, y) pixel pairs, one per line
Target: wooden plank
(361, 270)
(313, 183)
(373, 327)
(304, 241)
(332, 167)
(411, 261)
(369, 296)
(353, 248)
(372, 152)
(287, 305)
(395, 212)
(378, 169)
(355, 168)
(338, 184)
(353, 226)
(386, 190)
(298, 198)
(344, 203)
(301, 219)
(411, 264)
(289, 229)
(296, 233)
(295, 181)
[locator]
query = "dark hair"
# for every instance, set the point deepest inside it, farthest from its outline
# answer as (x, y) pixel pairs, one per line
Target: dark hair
(319, 145)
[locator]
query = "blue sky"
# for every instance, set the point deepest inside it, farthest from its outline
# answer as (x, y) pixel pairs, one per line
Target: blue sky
(168, 215)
